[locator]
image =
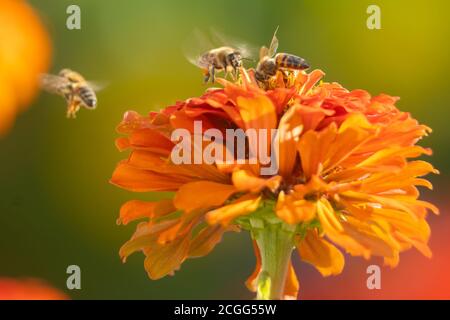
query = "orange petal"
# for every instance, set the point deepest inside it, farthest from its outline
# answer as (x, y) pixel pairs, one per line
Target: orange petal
(182, 226)
(406, 176)
(202, 195)
(334, 230)
(133, 179)
(353, 132)
(421, 246)
(245, 180)
(311, 80)
(205, 241)
(289, 130)
(293, 210)
(252, 281)
(122, 143)
(394, 201)
(258, 113)
(136, 209)
(313, 147)
(327, 216)
(312, 115)
(373, 236)
(162, 260)
(324, 256)
(151, 140)
(145, 236)
(291, 286)
(387, 155)
(149, 160)
(243, 206)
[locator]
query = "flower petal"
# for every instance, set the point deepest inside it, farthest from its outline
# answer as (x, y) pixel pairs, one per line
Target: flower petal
(252, 281)
(205, 241)
(243, 206)
(245, 180)
(257, 112)
(146, 235)
(133, 179)
(313, 147)
(162, 260)
(151, 140)
(293, 210)
(202, 195)
(289, 131)
(291, 286)
(136, 209)
(324, 256)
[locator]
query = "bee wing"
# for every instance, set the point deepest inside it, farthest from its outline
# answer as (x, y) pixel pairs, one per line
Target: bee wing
(97, 85)
(195, 45)
(274, 44)
(54, 84)
(247, 50)
(263, 52)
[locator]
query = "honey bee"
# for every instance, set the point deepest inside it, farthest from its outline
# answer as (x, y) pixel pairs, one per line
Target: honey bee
(218, 54)
(223, 58)
(74, 88)
(270, 61)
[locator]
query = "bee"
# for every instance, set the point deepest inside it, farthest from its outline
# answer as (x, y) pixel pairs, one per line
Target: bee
(224, 58)
(270, 61)
(74, 88)
(216, 53)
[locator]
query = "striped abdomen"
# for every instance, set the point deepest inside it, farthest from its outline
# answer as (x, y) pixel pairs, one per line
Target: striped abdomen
(88, 96)
(289, 61)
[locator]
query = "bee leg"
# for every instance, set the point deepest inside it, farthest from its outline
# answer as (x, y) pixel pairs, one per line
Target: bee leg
(206, 78)
(228, 70)
(213, 71)
(77, 108)
(285, 76)
(72, 109)
(235, 73)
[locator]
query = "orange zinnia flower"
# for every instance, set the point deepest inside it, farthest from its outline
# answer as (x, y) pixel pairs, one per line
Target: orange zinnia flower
(344, 178)
(24, 54)
(28, 289)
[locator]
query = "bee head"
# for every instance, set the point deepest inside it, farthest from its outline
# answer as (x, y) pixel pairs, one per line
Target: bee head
(268, 67)
(235, 59)
(265, 69)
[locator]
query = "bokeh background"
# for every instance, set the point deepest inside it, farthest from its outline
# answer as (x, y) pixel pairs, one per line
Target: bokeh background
(57, 207)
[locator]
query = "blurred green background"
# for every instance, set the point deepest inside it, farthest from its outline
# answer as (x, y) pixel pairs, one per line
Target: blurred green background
(57, 207)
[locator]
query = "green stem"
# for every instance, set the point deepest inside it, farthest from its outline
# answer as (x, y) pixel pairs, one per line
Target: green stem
(275, 246)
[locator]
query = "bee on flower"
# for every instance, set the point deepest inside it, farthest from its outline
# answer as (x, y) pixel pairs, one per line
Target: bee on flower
(346, 179)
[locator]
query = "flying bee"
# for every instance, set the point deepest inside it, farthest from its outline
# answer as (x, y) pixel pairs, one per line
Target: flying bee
(220, 54)
(74, 88)
(223, 58)
(270, 61)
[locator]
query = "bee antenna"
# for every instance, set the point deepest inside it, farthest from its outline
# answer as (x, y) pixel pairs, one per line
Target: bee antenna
(276, 30)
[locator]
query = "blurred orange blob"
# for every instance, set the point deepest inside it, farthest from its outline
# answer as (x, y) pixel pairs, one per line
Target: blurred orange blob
(28, 289)
(25, 52)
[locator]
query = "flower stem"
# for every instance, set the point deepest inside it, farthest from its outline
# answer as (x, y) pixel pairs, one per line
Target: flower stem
(275, 245)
